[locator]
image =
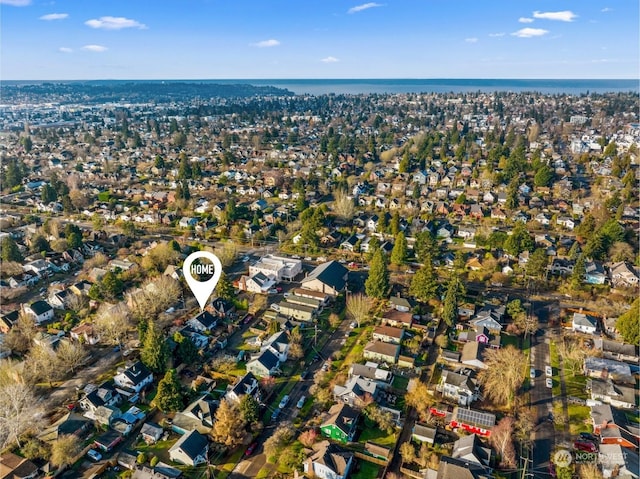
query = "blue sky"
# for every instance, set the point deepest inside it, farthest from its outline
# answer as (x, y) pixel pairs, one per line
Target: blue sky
(223, 39)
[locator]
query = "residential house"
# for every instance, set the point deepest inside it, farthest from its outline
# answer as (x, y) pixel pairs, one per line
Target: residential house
(583, 323)
(616, 350)
(248, 384)
(423, 433)
(613, 427)
(459, 387)
(297, 311)
(472, 421)
(70, 423)
(258, 283)
(616, 395)
(191, 449)
(372, 372)
(329, 277)
(400, 304)
(470, 448)
(41, 311)
(617, 462)
(379, 351)
(133, 379)
(278, 344)
(618, 371)
(151, 432)
(472, 355)
(452, 468)
(397, 319)
(84, 332)
(8, 320)
(203, 322)
(104, 395)
(341, 423)
(13, 466)
(356, 392)
(328, 461)
(594, 272)
(199, 416)
(187, 222)
(388, 334)
(60, 299)
(623, 275)
(266, 364)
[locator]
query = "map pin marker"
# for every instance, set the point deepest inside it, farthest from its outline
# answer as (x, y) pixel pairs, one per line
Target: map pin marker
(202, 289)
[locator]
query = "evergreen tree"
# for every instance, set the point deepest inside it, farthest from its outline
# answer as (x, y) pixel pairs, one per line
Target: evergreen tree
(169, 396)
(154, 353)
(74, 240)
(578, 273)
(537, 264)
(426, 245)
(377, 283)
(424, 284)
(249, 408)
(10, 251)
(394, 225)
(519, 241)
(374, 245)
(48, 194)
(186, 351)
(224, 289)
(39, 244)
(629, 324)
(450, 307)
(400, 250)
(111, 286)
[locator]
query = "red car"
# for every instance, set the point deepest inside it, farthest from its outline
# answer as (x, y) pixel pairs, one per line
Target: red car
(279, 289)
(251, 448)
(585, 446)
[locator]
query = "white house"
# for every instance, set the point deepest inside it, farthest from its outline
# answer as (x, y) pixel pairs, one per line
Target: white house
(328, 461)
(133, 379)
(581, 323)
(41, 311)
(191, 449)
(278, 267)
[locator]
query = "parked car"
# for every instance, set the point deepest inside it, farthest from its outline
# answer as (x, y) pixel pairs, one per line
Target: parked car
(549, 383)
(275, 307)
(304, 374)
(548, 371)
(276, 413)
(273, 291)
(286, 295)
(251, 448)
(94, 455)
(301, 402)
(279, 289)
(245, 259)
(247, 318)
(587, 436)
(586, 446)
(532, 373)
(283, 402)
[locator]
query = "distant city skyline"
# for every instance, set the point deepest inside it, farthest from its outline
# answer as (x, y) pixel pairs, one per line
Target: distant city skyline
(318, 39)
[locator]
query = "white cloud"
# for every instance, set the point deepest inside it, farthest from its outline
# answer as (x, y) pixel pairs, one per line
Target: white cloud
(16, 3)
(525, 20)
(330, 60)
(563, 16)
(606, 9)
(530, 32)
(266, 43)
(499, 34)
(65, 50)
(95, 48)
(114, 23)
(471, 40)
(54, 16)
(364, 6)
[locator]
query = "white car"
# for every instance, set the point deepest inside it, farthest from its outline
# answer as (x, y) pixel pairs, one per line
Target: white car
(286, 295)
(549, 383)
(300, 402)
(275, 307)
(548, 371)
(284, 402)
(94, 455)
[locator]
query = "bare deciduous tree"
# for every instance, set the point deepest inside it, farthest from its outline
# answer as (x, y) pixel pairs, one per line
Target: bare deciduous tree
(343, 205)
(279, 439)
(112, 323)
(70, 355)
(503, 375)
(572, 354)
(229, 426)
(408, 452)
(358, 307)
(19, 406)
(502, 440)
(419, 398)
(42, 364)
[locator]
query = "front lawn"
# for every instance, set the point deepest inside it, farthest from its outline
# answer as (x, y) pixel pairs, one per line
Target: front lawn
(159, 449)
(579, 418)
(374, 434)
(400, 382)
(368, 470)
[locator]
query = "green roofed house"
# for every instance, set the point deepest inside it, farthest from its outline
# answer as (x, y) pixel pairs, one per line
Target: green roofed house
(341, 423)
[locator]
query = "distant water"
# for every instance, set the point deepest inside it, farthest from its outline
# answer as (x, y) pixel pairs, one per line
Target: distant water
(363, 86)
(571, 87)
